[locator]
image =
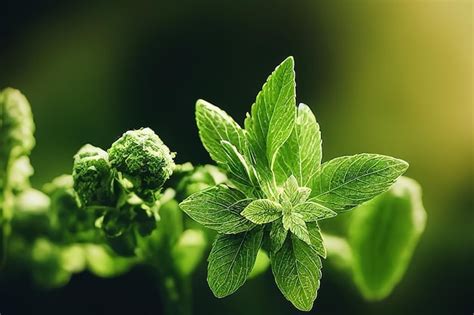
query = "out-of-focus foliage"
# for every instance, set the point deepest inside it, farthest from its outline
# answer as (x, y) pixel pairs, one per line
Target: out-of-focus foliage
(383, 234)
(17, 126)
(107, 217)
(54, 238)
(16, 142)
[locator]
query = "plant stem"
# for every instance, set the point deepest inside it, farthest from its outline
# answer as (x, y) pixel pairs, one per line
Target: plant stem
(6, 214)
(175, 292)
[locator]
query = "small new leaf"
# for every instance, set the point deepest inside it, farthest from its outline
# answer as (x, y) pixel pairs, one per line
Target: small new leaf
(293, 193)
(218, 208)
(295, 223)
(263, 211)
(311, 211)
(231, 260)
(348, 181)
(297, 271)
(302, 195)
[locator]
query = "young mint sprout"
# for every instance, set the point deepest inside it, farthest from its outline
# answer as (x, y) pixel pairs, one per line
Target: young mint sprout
(277, 184)
(92, 176)
(143, 159)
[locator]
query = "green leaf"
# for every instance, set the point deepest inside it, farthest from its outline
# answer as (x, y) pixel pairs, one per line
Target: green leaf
(348, 181)
(240, 172)
(231, 260)
(218, 208)
(302, 195)
(301, 154)
(292, 193)
(383, 234)
(316, 238)
(297, 271)
(215, 126)
(311, 211)
(262, 211)
(295, 223)
(277, 235)
(272, 115)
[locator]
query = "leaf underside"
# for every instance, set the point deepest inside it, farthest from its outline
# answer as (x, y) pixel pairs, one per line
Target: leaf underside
(231, 260)
(297, 271)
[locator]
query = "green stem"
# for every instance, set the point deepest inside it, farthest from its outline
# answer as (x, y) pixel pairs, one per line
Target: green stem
(175, 292)
(6, 213)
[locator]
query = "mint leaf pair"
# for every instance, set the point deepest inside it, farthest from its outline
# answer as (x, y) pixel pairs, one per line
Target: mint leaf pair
(277, 190)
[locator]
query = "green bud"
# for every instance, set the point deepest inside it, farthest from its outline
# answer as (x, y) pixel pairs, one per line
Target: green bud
(143, 159)
(92, 176)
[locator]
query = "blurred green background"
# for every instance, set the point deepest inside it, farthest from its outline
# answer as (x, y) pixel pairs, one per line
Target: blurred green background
(392, 77)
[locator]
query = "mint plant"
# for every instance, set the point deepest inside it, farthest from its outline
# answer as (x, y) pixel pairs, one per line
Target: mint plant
(123, 206)
(278, 190)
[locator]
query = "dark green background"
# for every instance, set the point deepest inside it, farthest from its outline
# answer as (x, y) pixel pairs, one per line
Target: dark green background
(391, 77)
